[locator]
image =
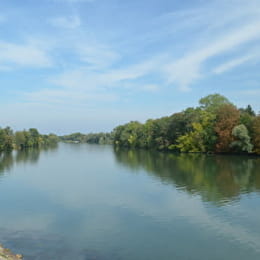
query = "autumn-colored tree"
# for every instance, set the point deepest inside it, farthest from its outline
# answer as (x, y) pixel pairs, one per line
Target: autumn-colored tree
(207, 128)
(227, 118)
(256, 134)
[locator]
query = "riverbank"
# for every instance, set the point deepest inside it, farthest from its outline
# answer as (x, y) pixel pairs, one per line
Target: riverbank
(6, 254)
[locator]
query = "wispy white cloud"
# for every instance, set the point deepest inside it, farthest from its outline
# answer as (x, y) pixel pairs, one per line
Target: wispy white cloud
(65, 97)
(83, 78)
(181, 69)
(187, 69)
(134, 71)
(95, 55)
(251, 57)
(84, 86)
(204, 33)
(25, 55)
(69, 22)
(145, 56)
(232, 64)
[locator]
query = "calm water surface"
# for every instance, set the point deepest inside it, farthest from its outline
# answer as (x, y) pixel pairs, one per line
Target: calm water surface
(95, 202)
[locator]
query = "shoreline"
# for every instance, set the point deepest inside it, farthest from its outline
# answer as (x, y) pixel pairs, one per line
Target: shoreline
(6, 254)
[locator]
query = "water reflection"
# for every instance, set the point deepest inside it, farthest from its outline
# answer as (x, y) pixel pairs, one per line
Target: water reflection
(217, 179)
(88, 202)
(31, 155)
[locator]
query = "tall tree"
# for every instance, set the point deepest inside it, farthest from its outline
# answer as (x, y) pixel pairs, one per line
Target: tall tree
(246, 117)
(202, 138)
(256, 134)
(242, 140)
(226, 119)
(20, 139)
(213, 102)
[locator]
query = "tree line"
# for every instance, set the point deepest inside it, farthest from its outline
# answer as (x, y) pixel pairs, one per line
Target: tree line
(215, 126)
(91, 138)
(10, 140)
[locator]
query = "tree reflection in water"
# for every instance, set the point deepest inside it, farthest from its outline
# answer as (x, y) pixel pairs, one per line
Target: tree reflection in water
(216, 178)
(29, 155)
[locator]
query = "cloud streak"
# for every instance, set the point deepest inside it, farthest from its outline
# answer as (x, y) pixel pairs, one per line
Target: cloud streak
(232, 64)
(23, 55)
(186, 70)
(158, 56)
(96, 56)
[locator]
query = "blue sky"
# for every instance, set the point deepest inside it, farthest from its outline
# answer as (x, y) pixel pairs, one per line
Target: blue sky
(89, 65)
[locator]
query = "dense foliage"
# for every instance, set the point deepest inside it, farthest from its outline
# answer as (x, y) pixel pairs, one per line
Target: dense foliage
(215, 126)
(22, 139)
(92, 138)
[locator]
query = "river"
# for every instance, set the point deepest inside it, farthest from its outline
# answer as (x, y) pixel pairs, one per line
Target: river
(79, 201)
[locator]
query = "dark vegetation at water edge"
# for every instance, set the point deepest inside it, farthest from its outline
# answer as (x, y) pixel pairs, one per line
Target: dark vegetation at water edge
(10, 140)
(215, 126)
(92, 138)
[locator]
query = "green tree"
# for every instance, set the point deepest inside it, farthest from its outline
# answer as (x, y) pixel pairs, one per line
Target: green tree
(249, 110)
(213, 102)
(242, 140)
(247, 116)
(35, 137)
(20, 139)
(2, 139)
(202, 138)
(128, 135)
(6, 139)
(207, 128)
